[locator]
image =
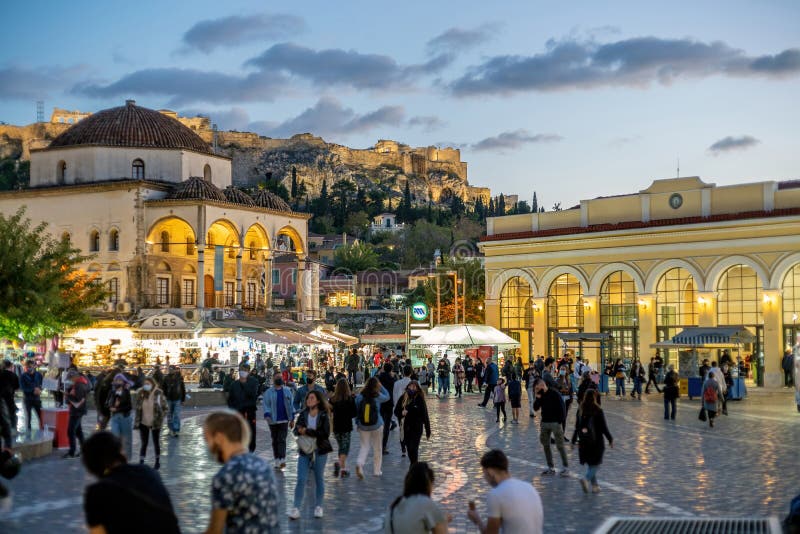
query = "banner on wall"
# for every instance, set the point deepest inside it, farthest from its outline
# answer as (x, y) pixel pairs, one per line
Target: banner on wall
(219, 263)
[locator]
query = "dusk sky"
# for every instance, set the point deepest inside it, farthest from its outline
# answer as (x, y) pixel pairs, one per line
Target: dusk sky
(574, 100)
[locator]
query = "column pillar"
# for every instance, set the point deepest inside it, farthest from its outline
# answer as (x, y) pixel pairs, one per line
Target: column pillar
(772, 311)
(591, 323)
(201, 252)
(314, 291)
(539, 326)
(238, 298)
(492, 312)
(300, 288)
(647, 326)
(268, 283)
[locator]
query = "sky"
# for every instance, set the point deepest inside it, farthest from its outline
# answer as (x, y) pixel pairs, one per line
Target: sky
(572, 100)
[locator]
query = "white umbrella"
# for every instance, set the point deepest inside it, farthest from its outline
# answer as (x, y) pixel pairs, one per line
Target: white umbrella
(464, 336)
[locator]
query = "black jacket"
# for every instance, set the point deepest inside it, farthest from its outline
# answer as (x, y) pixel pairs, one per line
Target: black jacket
(343, 414)
(417, 416)
(174, 388)
(121, 403)
(591, 444)
(387, 381)
(322, 432)
(552, 406)
(243, 396)
(671, 390)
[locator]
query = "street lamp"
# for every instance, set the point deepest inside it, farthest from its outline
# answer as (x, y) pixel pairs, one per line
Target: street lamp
(438, 298)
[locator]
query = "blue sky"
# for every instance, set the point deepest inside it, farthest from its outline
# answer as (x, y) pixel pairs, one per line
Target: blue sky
(572, 100)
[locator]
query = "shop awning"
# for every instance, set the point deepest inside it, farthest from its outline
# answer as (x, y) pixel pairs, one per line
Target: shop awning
(464, 336)
(715, 335)
(265, 337)
(584, 336)
(386, 339)
(337, 337)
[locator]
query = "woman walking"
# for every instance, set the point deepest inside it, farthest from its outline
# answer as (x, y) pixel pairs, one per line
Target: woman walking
(458, 376)
(119, 406)
(312, 429)
(515, 397)
(565, 389)
(343, 408)
(412, 411)
(499, 400)
(619, 377)
(671, 392)
(529, 376)
(415, 512)
(712, 393)
(370, 425)
(592, 431)
(151, 405)
(638, 377)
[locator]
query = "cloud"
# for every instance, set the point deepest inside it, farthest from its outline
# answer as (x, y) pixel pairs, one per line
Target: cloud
(344, 67)
(640, 61)
(329, 117)
(729, 143)
(20, 83)
(427, 123)
(186, 86)
(622, 141)
(513, 140)
(235, 30)
(456, 40)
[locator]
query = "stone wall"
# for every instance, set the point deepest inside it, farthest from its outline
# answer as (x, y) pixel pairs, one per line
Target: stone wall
(360, 322)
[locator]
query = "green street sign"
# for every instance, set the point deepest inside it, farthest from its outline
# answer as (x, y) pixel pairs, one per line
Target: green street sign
(419, 311)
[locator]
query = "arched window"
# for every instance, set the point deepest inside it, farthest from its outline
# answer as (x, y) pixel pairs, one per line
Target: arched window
(791, 306)
(137, 169)
(619, 314)
(61, 172)
(676, 306)
(564, 309)
(740, 297)
(252, 250)
(66, 238)
(94, 241)
(164, 241)
(113, 240)
(516, 313)
(207, 172)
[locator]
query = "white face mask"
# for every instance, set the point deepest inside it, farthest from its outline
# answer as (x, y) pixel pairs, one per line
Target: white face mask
(147, 387)
(243, 374)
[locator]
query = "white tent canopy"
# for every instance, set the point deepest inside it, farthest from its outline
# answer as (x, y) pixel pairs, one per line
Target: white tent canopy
(464, 336)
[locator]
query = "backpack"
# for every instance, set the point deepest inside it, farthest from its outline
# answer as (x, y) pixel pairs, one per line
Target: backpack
(368, 412)
(710, 394)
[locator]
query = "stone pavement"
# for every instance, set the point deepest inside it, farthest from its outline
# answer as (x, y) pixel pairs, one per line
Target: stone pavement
(747, 465)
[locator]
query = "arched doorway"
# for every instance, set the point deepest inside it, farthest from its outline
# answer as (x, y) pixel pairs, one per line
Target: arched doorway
(564, 310)
(676, 307)
(619, 314)
(516, 313)
(208, 287)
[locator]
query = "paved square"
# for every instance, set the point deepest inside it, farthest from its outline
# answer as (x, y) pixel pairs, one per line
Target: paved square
(747, 465)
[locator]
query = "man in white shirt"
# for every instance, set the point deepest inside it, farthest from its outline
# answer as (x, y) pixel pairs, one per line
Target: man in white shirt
(397, 392)
(514, 506)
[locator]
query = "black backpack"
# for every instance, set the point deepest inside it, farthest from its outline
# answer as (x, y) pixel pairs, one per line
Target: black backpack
(368, 412)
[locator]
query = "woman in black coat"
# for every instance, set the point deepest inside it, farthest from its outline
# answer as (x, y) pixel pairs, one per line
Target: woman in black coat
(412, 411)
(592, 429)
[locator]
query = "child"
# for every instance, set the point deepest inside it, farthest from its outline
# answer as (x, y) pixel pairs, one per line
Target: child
(500, 399)
(515, 397)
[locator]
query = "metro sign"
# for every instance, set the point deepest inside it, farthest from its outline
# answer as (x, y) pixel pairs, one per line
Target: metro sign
(419, 311)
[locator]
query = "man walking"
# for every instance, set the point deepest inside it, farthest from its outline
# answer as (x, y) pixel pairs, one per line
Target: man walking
(299, 398)
(387, 380)
(77, 387)
(279, 414)
(175, 392)
(397, 392)
(244, 495)
(553, 417)
(652, 377)
(351, 363)
(31, 384)
(514, 506)
(490, 376)
(242, 397)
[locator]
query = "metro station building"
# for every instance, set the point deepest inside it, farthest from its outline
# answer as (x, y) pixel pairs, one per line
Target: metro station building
(644, 266)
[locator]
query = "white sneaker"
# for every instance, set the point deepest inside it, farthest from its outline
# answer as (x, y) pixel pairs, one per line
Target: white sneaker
(294, 513)
(318, 512)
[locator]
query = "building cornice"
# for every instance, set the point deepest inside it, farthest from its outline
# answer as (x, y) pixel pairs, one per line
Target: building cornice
(195, 202)
(106, 185)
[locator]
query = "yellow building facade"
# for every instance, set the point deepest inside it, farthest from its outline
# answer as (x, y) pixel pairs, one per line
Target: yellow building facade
(644, 266)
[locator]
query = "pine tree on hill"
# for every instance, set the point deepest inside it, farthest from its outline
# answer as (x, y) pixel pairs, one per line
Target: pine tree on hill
(535, 203)
(294, 183)
(501, 205)
(491, 208)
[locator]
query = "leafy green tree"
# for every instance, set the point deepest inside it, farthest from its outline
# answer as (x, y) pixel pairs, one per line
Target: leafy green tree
(42, 290)
(421, 240)
(522, 207)
(342, 193)
(471, 286)
(14, 174)
(355, 257)
(357, 223)
(275, 186)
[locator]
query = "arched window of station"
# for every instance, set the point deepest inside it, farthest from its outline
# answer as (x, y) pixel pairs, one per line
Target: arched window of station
(740, 297)
(564, 310)
(113, 240)
(676, 307)
(137, 169)
(516, 313)
(791, 307)
(619, 314)
(61, 172)
(94, 241)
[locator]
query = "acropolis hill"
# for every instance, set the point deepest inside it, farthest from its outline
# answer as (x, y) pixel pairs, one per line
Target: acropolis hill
(432, 173)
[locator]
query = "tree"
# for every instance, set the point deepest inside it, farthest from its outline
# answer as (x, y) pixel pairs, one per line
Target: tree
(42, 290)
(404, 210)
(522, 207)
(557, 206)
(501, 206)
(470, 273)
(355, 257)
(275, 186)
(491, 208)
(342, 192)
(356, 223)
(294, 183)
(534, 204)
(421, 240)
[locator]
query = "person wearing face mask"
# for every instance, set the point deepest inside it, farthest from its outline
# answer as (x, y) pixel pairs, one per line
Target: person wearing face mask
(244, 494)
(175, 393)
(313, 430)
(412, 412)
(565, 389)
(513, 506)
(150, 409)
(31, 385)
(242, 397)
(303, 391)
(119, 406)
(77, 389)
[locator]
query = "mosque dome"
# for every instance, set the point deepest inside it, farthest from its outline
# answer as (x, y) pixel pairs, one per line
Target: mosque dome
(196, 188)
(268, 200)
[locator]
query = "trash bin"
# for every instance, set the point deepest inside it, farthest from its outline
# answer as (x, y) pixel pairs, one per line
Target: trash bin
(738, 390)
(695, 386)
(57, 419)
(603, 385)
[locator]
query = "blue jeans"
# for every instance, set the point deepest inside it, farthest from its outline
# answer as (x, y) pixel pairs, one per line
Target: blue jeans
(122, 427)
(637, 386)
(304, 464)
(174, 419)
(620, 386)
(444, 384)
(591, 474)
(667, 404)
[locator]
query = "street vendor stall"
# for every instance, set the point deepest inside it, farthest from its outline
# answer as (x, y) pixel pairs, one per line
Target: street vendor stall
(450, 339)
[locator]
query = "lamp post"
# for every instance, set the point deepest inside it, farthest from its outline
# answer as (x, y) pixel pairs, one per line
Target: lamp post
(455, 293)
(438, 298)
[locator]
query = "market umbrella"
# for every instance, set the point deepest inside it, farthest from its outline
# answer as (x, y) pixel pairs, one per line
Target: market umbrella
(465, 336)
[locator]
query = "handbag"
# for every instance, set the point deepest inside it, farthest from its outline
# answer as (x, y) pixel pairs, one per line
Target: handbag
(306, 444)
(702, 415)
